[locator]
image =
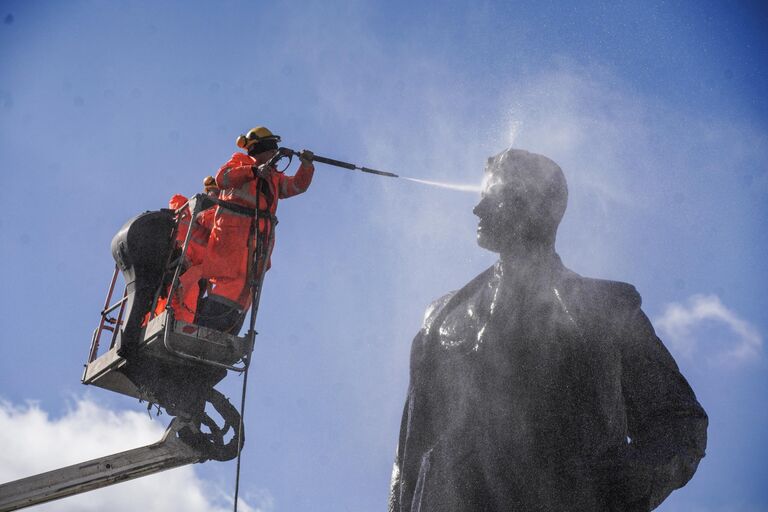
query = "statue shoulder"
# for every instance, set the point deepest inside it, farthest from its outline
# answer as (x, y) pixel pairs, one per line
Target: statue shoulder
(451, 299)
(601, 293)
(434, 310)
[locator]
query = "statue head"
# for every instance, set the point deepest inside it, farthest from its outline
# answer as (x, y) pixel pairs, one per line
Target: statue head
(523, 200)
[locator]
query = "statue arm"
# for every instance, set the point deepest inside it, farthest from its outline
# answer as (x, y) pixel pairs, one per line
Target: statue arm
(414, 425)
(666, 424)
(416, 436)
(396, 482)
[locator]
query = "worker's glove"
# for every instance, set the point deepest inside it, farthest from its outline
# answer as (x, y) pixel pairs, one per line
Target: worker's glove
(306, 156)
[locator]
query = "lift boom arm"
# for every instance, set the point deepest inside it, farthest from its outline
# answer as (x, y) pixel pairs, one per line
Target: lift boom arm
(168, 453)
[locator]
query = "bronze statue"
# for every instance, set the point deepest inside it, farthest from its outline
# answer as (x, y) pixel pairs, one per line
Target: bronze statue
(535, 389)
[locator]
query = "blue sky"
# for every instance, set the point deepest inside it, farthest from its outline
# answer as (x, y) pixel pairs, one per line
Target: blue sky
(656, 112)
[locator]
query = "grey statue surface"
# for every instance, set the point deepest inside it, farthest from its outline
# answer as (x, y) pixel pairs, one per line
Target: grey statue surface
(535, 389)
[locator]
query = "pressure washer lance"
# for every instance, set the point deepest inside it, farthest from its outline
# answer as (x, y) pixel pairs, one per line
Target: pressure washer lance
(286, 152)
(289, 153)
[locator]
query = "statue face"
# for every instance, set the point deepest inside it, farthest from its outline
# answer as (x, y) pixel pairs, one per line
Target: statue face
(522, 202)
(504, 214)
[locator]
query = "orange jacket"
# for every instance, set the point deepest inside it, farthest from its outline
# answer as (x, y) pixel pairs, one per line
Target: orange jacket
(231, 231)
(201, 229)
(238, 185)
(182, 217)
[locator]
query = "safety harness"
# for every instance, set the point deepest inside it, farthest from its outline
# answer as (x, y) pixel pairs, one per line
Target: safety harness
(248, 211)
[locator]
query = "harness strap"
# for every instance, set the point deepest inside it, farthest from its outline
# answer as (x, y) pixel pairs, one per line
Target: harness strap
(245, 210)
(237, 208)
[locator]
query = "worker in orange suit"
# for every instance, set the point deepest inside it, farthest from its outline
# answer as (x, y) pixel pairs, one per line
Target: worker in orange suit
(248, 189)
(201, 227)
(187, 293)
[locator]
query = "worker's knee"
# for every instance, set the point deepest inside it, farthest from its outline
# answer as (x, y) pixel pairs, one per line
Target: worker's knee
(221, 315)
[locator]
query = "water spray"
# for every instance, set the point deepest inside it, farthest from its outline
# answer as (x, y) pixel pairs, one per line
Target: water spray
(285, 152)
(453, 186)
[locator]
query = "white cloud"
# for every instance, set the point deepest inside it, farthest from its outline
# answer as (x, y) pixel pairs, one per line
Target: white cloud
(680, 322)
(87, 430)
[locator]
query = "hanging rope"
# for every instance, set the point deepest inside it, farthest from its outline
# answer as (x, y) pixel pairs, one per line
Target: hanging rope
(261, 255)
(240, 433)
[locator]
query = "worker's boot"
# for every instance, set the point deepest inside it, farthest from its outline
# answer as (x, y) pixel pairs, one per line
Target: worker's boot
(218, 316)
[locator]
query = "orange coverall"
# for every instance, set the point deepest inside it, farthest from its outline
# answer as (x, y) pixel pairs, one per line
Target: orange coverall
(187, 288)
(231, 241)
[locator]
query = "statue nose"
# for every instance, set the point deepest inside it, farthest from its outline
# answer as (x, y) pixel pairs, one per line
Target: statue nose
(481, 208)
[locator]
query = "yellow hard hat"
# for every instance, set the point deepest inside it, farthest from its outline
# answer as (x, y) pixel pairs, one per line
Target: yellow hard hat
(210, 184)
(256, 135)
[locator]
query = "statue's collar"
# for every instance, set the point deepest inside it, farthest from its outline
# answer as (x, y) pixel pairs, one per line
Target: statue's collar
(542, 270)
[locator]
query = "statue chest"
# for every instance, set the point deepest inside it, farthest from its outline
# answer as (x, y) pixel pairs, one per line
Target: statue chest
(527, 362)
